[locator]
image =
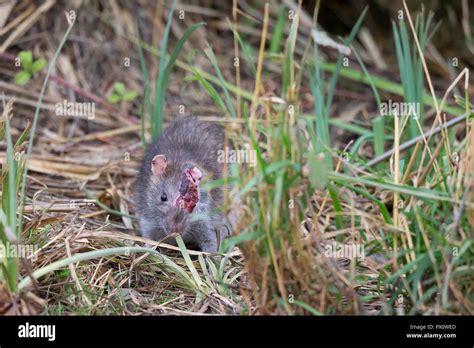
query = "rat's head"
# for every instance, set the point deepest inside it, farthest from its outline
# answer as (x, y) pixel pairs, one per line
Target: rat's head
(173, 195)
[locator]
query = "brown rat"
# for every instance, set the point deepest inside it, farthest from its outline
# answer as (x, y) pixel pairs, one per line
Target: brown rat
(168, 194)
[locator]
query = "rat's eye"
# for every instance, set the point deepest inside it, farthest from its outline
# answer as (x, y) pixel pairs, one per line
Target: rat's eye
(164, 197)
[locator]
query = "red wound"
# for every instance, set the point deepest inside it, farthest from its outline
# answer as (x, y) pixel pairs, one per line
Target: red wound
(189, 189)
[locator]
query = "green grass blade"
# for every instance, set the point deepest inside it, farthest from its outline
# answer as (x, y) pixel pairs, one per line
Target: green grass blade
(230, 105)
(165, 76)
(348, 43)
(35, 119)
(277, 34)
(156, 119)
(146, 103)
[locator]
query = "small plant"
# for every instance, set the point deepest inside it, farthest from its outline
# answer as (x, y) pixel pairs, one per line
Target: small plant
(29, 66)
(11, 174)
(121, 94)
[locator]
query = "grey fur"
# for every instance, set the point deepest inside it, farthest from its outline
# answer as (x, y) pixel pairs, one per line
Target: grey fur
(186, 143)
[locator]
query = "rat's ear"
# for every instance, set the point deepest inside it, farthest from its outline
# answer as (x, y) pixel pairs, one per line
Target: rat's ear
(194, 171)
(158, 165)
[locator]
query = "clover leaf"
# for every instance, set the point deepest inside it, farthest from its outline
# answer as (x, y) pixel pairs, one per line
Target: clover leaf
(121, 94)
(30, 67)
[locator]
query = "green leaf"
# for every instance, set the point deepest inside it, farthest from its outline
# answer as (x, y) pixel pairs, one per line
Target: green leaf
(230, 105)
(462, 102)
(119, 88)
(164, 77)
(318, 172)
(379, 135)
(191, 54)
(405, 189)
(216, 98)
(130, 95)
(26, 58)
(9, 203)
(38, 65)
(156, 118)
(63, 274)
(146, 101)
(113, 98)
(189, 263)
(24, 170)
(289, 50)
(347, 42)
(307, 307)
(22, 77)
(277, 34)
(337, 209)
(246, 50)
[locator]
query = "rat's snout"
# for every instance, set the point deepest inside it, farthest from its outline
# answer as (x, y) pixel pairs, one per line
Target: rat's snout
(176, 220)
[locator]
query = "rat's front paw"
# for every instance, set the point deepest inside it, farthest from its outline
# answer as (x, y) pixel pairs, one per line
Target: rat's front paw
(209, 247)
(208, 242)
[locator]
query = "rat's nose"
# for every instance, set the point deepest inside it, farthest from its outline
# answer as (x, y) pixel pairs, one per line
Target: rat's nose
(176, 220)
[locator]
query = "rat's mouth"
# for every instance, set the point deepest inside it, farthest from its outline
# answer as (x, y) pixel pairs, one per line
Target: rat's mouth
(189, 189)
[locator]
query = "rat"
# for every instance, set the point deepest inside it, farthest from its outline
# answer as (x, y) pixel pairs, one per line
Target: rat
(168, 192)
